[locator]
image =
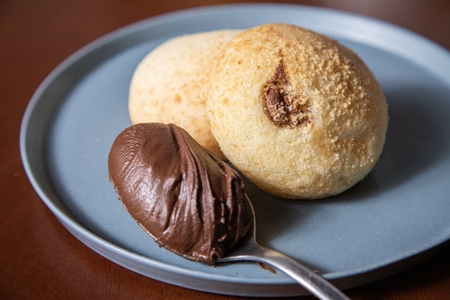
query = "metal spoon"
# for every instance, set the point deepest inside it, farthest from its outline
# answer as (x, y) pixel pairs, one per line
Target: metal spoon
(250, 250)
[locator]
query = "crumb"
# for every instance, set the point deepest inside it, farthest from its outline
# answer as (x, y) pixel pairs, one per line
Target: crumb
(266, 267)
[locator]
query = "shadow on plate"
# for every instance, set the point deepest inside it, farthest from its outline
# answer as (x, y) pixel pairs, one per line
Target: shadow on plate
(416, 140)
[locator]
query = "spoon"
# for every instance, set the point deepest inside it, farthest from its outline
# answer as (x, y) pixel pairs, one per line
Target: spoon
(249, 250)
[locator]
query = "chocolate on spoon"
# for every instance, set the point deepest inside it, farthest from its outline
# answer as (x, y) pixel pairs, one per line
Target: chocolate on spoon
(189, 201)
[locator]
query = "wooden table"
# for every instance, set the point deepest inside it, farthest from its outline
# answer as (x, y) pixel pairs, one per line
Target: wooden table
(39, 259)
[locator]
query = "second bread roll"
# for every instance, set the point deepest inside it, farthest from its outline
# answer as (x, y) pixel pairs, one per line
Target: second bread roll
(170, 83)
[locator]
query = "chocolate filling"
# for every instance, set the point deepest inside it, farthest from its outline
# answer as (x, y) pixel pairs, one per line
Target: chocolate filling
(282, 106)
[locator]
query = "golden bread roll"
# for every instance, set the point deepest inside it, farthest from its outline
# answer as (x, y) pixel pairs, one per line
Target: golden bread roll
(169, 84)
(296, 112)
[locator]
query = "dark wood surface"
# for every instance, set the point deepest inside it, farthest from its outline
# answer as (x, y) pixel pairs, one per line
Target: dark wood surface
(40, 259)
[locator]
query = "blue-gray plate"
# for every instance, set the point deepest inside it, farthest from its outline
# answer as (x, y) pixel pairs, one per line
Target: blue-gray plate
(391, 220)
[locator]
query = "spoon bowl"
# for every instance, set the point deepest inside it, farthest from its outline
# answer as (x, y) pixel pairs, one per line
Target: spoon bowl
(248, 249)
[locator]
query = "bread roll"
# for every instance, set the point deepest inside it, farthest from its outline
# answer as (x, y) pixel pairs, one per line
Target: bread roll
(298, 113)
(170, 83)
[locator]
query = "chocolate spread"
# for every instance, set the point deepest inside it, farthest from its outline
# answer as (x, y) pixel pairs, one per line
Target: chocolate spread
(190, 202)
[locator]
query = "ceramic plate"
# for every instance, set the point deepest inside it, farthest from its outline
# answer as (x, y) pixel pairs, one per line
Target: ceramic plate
(391, 220)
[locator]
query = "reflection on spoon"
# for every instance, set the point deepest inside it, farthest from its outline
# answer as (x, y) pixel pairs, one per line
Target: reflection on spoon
(248, 249)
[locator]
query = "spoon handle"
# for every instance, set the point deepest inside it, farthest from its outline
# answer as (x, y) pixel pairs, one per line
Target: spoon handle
(313, 282)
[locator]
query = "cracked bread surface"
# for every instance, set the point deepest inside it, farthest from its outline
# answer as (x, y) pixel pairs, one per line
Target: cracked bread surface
(298, 113)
